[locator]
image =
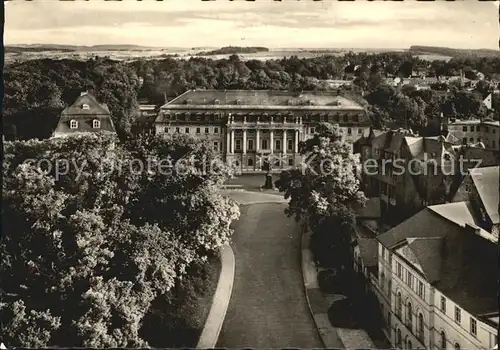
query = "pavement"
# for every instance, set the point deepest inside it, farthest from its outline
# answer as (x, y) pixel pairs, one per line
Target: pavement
(268, 306)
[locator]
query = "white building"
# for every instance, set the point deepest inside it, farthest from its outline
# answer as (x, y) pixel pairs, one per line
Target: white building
(437, 282)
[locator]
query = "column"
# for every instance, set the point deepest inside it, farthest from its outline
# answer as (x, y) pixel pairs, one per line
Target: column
(296, 141)
(257, 140)
(232, 141)
(228, 142)
(284, 141)
(271, 140)
(244, 141)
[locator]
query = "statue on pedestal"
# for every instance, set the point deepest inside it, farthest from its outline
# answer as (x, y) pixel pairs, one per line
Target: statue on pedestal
(268, 185)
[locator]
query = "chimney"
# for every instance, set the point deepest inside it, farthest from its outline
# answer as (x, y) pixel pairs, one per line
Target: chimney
(165, 97)
(473, 228)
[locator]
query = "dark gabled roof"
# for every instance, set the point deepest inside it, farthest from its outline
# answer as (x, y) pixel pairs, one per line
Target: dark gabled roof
(95, 108)
(268, 98)
(368, 250)
(466, 268)
(487, 182)
(428, 251)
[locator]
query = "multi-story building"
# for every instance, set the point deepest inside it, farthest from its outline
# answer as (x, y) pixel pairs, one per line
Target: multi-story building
(83, 116)
(475, 131)
(409, 172)
(437, 282)
(248, 126)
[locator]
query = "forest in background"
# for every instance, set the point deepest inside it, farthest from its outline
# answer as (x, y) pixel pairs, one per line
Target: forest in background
(36, 91)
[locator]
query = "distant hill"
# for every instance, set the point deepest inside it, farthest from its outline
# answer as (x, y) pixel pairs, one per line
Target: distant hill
(229, 50)
(446, 51)
(75, 48)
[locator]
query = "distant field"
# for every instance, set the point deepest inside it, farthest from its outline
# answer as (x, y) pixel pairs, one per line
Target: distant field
(129, 55)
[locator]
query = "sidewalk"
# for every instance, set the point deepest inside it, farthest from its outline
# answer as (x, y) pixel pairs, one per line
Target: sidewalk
(320, 302)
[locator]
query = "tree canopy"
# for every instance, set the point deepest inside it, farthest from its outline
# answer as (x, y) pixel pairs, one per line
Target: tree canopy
(82, 263)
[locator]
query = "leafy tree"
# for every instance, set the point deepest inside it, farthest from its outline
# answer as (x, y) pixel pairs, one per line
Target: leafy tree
(324, 191)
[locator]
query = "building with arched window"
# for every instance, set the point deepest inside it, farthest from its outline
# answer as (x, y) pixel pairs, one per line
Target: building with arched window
(251, 127)
(444, 289)
(85, 115)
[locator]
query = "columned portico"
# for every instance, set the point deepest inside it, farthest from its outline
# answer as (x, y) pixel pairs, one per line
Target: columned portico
(271, 141)
(257, 140)
(232, 140)
(244, 141)
(284, 145)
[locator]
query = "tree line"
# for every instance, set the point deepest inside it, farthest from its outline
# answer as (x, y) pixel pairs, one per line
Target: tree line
(36, 91)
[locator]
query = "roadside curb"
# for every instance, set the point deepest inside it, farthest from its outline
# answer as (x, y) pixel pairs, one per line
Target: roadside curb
(222, 296)
(332, 337)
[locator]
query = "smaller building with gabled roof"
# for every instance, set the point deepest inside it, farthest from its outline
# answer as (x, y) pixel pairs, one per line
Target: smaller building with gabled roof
(85, 115)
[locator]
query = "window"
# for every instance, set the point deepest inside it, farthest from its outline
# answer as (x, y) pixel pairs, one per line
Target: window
(443, 340)
(398, 338)
(360, 131)
(457, 346)
(250, 162)
(471, 139)
(400, 270)
(278, 144)
(464, 140)
(399, 305)
(96, 124)
(409, 345)
(494, 131)
(349, 131)
(389, 319)
(187, 130)
(383, 253)
(238, 145)
(458, 315)
(216, 145)
(420, 329)
(85, 106)
(73, 124)
(206, 130)
(487, 129)
(443, 304)
(464, 128)
(409, 316)
(311, 130)
(473, 326)
(250, 145)
(421, 289)
(264, 144)
(467, 187)
(344, 118)
(410, 281)
(177, 129)
(382, 280)
(290, 144)
(167, 130)
(216, 130)
(198, 130)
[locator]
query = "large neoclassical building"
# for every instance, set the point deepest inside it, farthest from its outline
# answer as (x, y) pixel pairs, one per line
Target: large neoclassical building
(247, 126)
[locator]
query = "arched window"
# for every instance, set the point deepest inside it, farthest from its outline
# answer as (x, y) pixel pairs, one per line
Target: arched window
(399, 305)
(443, 340)
(85, 106)
(409, 316)
(398, 338)
(73, 124)
(409, 345)
(96, 124)
(420, 329)
(457, 346)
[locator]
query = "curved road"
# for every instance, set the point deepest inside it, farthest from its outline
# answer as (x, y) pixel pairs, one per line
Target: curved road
(268, 307)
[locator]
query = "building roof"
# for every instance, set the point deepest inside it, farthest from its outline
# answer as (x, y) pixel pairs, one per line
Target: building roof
(368, 250)
(263, 98)
(487, 182)
(95, 108)
(465, 264)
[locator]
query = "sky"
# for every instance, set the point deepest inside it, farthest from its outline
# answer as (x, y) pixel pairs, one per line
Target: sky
(285, 24)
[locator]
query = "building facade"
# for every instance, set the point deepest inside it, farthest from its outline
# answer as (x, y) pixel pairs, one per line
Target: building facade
(259, 129)
(431, 293)
(475, 131)
(85, 115)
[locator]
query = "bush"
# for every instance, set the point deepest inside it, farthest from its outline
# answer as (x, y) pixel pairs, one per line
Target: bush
(342, 314)
(176, 320)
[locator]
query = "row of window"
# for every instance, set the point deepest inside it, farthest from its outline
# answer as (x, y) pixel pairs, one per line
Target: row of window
(264, 144)
(73, 124)
(458, 316)
(187, 130)
(409, 317)
(464, 141)
(477, 128)
(408, 278)
(277, 164)
(349, 131)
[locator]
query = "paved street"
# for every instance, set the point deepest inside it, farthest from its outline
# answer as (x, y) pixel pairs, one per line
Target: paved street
(268, 307)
